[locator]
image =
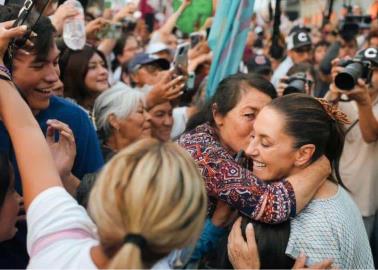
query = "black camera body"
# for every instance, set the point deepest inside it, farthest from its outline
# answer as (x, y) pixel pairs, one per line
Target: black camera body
(355, 69)
(351, 24)
(296, 84)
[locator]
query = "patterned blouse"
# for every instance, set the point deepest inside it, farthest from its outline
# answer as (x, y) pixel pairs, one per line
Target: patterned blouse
(225, 179)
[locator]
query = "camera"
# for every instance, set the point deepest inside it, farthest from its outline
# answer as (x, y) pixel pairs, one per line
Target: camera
(297, 83)
(350, 26)
(354, 69)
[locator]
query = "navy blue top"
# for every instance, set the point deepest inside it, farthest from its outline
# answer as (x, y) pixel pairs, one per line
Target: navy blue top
(88, 154)
(88, 159)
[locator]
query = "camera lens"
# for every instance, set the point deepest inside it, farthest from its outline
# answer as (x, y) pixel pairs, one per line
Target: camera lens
(347, 79)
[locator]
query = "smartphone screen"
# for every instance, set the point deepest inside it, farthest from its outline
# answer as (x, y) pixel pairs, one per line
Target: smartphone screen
(181, 59)
(208, 32)
(195, 38)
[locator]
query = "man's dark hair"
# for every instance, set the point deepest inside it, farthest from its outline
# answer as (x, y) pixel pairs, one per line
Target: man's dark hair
(43, 28)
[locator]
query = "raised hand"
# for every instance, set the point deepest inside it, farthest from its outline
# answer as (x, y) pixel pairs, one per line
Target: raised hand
(7, 33)
(63, 150)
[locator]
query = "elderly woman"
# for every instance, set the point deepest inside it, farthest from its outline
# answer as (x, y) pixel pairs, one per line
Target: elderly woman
(121, 120)
(124, 229)
(222, 129)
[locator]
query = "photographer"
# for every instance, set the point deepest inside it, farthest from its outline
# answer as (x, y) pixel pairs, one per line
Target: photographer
(299, 50)
(300, 78)
(360, 153)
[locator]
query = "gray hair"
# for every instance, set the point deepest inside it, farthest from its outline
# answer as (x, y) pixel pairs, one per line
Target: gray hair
(120, 100)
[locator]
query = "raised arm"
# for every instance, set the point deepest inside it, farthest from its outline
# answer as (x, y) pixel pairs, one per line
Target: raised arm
(33, 156)
(361, 94)
(168, 26)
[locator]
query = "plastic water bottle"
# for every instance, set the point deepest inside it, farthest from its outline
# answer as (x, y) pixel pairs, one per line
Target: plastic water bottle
(74, 28)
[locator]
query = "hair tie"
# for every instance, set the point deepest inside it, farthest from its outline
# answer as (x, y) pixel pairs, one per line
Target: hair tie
(334, 112)
(136, 239)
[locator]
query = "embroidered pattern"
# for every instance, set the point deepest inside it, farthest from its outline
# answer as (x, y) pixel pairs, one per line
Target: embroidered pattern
(269, 202)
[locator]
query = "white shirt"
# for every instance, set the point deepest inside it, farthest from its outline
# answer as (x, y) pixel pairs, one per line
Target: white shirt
(358, 163)
(180, 118)
(281, 71)
(60, 232)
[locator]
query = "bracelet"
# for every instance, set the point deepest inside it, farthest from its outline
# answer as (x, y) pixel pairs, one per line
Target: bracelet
(6, 70)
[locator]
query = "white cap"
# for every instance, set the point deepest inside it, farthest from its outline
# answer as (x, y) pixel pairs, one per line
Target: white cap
(156, 47)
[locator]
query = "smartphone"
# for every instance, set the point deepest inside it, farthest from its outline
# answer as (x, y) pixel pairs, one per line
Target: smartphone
(208, 32)
(29, 16)
(180, 61)
(111, 31)
(195, 38)
(30, 13)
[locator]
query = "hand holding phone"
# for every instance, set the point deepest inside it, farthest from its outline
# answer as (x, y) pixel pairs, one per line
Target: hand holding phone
(180, 61)
(195, 38)
(29, 16)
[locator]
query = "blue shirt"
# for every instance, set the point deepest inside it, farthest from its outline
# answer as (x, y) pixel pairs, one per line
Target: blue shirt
(88, 154)
(88, 159)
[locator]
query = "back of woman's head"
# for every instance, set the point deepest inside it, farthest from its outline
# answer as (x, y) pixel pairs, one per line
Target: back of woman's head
(228, 95)
(271, 241)
(308, 122)
(74, 67)
(151, 189)
(121, 101)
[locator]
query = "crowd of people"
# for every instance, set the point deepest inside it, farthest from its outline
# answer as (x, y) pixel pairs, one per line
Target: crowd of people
(112, 156)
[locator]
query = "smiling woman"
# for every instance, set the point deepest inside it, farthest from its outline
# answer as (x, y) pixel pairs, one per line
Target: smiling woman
(161, 121)
(222, 129)
(289, 134)
(84, 75)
